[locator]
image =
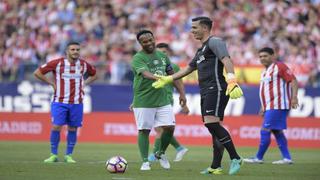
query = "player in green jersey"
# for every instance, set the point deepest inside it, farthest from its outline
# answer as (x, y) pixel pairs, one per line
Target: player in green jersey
(181, 150)
(152, 107)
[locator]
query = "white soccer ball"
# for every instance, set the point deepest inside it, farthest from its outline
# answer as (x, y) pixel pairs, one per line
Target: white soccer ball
(116, 164)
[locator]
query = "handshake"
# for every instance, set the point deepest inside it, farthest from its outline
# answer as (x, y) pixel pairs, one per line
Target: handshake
(233, 89)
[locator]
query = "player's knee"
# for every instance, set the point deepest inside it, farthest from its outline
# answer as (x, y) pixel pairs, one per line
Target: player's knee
(144, 131)
(158, 130)
(70, 128)
(168, 128)
(56, 128)
(217, 144)
(265, 129)
(211, 119)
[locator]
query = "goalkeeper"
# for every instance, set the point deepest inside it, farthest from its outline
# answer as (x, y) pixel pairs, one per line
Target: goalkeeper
(210, 60)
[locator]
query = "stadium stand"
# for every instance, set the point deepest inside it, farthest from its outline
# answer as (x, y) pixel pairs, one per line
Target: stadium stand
(33, 32)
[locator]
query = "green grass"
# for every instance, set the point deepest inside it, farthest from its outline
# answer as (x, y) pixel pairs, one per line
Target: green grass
(24, 161)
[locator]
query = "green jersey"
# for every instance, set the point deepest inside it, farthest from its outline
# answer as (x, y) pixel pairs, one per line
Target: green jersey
(170, 87)
(144, 95)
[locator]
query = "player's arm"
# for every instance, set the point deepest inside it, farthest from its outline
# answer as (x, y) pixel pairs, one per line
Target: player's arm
(219, 47)
(148, 75)
(141, 68)
(92, 72)
(182, 73)
(233, 89)
(40, 74)
(294, 91)
(163, 80)
(288, 76)
(178, 84)
(261, 111)
(90, 79)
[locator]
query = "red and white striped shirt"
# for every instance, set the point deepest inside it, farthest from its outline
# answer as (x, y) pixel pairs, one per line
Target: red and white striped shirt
(68, 78)
(275, 88)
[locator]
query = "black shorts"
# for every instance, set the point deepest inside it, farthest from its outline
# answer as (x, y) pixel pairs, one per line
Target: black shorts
(214, 104)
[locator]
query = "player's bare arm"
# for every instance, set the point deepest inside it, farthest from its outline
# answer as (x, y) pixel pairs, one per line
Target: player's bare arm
(149, 75)
(178, 84)
(182, 73)
(90, 79)
(261, 111)
(294, 97)
(37, 73)
(228, 65)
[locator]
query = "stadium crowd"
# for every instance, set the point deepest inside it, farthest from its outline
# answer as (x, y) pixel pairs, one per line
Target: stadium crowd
(33, 32)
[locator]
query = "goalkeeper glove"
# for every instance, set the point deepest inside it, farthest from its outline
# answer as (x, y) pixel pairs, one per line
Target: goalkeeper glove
(162, 81)
(233, 89)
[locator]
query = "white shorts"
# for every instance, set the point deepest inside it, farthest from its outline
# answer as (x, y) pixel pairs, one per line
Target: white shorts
(147, 118)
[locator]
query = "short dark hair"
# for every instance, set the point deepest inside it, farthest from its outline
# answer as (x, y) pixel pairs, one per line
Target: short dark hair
(267, 50)
(144, 31)
(162, 45)
(73, 43)
(204, 21)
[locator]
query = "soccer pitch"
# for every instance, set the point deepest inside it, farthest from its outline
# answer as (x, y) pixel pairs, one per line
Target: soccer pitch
(24, 161)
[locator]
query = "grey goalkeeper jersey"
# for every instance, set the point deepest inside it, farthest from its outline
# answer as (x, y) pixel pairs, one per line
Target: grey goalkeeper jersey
(207, 61)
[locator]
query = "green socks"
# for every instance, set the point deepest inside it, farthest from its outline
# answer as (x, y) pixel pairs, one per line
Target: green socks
(165, 140)
(156, 146)
(174, 142)
(143, 142)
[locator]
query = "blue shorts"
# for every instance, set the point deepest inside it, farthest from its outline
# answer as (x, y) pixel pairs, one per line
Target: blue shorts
(275, 119)
(70, 114)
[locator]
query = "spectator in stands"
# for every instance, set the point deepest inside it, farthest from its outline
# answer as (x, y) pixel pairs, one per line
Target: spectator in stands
(247, 26)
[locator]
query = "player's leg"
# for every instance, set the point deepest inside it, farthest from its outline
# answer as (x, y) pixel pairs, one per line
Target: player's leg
(215, 167)
(144, 121)
(181, 150)
(143, 143)
(265, 140)
(283, 146)
(278, 122)
(165, 119)
(217, 154)
(74, 121)
(59, 115)
(156, 146)
(214, 105)
(54, 143)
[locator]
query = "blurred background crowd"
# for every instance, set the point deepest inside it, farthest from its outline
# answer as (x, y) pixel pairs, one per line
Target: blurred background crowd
(35, 32)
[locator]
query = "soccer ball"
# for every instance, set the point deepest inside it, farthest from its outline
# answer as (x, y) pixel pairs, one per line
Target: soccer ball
(116, 164)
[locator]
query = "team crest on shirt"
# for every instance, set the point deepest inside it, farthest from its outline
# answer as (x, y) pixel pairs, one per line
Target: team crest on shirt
(156, 61)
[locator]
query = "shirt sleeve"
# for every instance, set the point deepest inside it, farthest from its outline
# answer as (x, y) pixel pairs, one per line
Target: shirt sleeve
(175, 67)
(218, 47)
(169, 68)
(285, 72)
(193, 63)
(50, 66)
(91, 69)
(138, 65)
